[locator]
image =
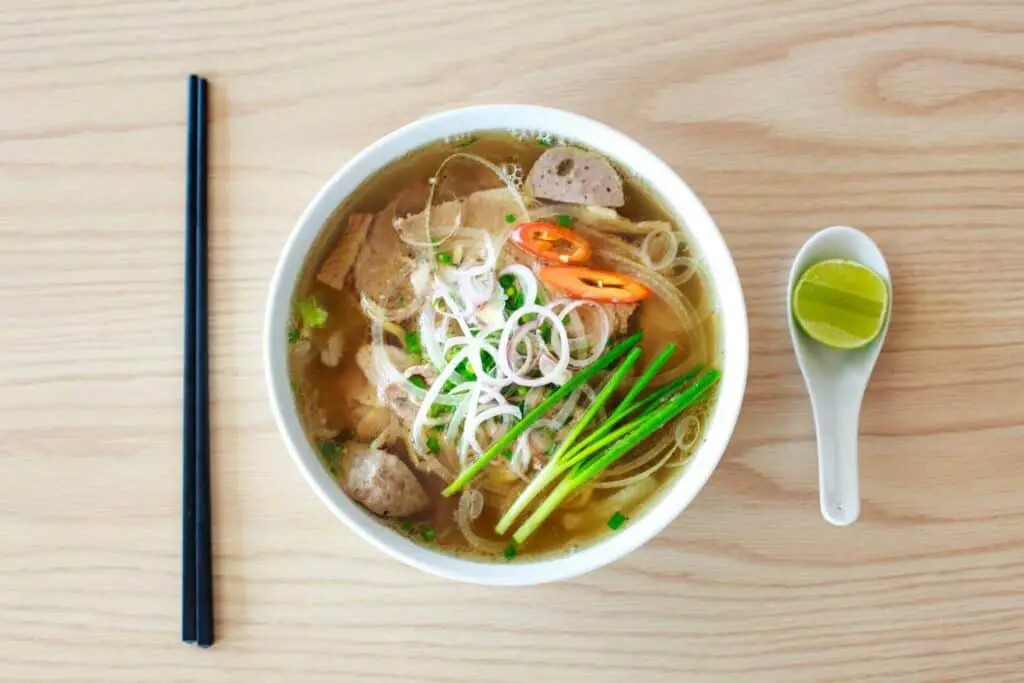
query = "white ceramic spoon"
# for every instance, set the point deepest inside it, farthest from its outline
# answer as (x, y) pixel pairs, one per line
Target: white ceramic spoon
(836, 379)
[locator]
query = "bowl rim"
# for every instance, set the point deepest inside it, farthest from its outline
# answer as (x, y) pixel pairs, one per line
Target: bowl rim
(673, 498)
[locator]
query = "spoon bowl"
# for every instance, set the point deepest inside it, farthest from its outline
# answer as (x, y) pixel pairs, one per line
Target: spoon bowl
(836, 379)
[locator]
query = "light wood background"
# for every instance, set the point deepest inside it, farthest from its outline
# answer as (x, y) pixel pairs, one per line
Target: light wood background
(903, 118)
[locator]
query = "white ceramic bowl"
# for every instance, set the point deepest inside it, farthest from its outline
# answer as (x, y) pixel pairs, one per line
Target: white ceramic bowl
(678, 198)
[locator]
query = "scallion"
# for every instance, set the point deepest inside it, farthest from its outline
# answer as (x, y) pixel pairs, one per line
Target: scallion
(586, 469)
(558, 463)
(514, 433)
(311, 312)
(565, 221)
(616, 521)
(433, 445)
(445, 258)
(412, 343)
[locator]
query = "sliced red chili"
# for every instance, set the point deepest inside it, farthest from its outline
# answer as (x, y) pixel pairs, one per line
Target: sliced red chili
(591, 283)
(551, 243)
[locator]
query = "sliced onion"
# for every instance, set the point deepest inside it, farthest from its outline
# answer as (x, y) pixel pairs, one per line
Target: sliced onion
(558, 331)
(473, 424)
(433, 395)
(429, 336)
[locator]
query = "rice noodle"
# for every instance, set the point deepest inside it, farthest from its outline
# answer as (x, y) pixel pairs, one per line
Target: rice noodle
(691, 268)
(626, 481)
(604, 330)
(683, 427)
(670, 250)
(668, 293)
(665, 440)
(472, 501)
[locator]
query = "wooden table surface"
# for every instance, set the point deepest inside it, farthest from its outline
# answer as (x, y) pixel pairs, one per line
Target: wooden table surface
(903, 118)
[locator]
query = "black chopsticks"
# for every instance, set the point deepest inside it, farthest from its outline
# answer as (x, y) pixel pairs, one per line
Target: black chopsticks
(197, 555)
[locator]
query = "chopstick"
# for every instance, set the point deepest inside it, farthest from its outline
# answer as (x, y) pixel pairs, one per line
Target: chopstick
(197, 556)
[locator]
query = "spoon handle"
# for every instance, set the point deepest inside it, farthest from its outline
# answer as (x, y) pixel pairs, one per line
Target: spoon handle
(837, 464)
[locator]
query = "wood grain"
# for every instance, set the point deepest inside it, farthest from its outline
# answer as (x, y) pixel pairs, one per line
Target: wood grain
(903, 118)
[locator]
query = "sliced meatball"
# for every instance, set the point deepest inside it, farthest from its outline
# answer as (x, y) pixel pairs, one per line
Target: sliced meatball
(570, 175)
(381, 482)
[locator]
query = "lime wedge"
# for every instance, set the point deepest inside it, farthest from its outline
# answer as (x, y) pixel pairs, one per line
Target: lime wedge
(841, 304)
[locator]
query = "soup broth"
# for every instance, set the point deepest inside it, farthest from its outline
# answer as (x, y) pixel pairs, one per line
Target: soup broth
(338, 398)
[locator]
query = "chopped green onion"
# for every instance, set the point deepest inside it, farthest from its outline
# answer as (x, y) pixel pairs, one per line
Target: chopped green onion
(565, 221)
(465, 370)
(406, 524)
(507, 454)
(616, 521)
(510, 551)
(434, 445)
(506, 281)
(293, 335)
(418, 381)
(468, 141)
(488, 362)
(401, 299)
(584, 375)
(545, 141)
(428, 533)
(439, 409)
(312, 314)
(330, 448)
(510, 218)
(522, 391)
(445, 258)
(412, 343)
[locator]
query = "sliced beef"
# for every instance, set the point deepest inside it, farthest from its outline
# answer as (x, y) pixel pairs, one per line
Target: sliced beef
(486, 209)
(381, 482)
(335, 268)
(381, 264)
(573, 176)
